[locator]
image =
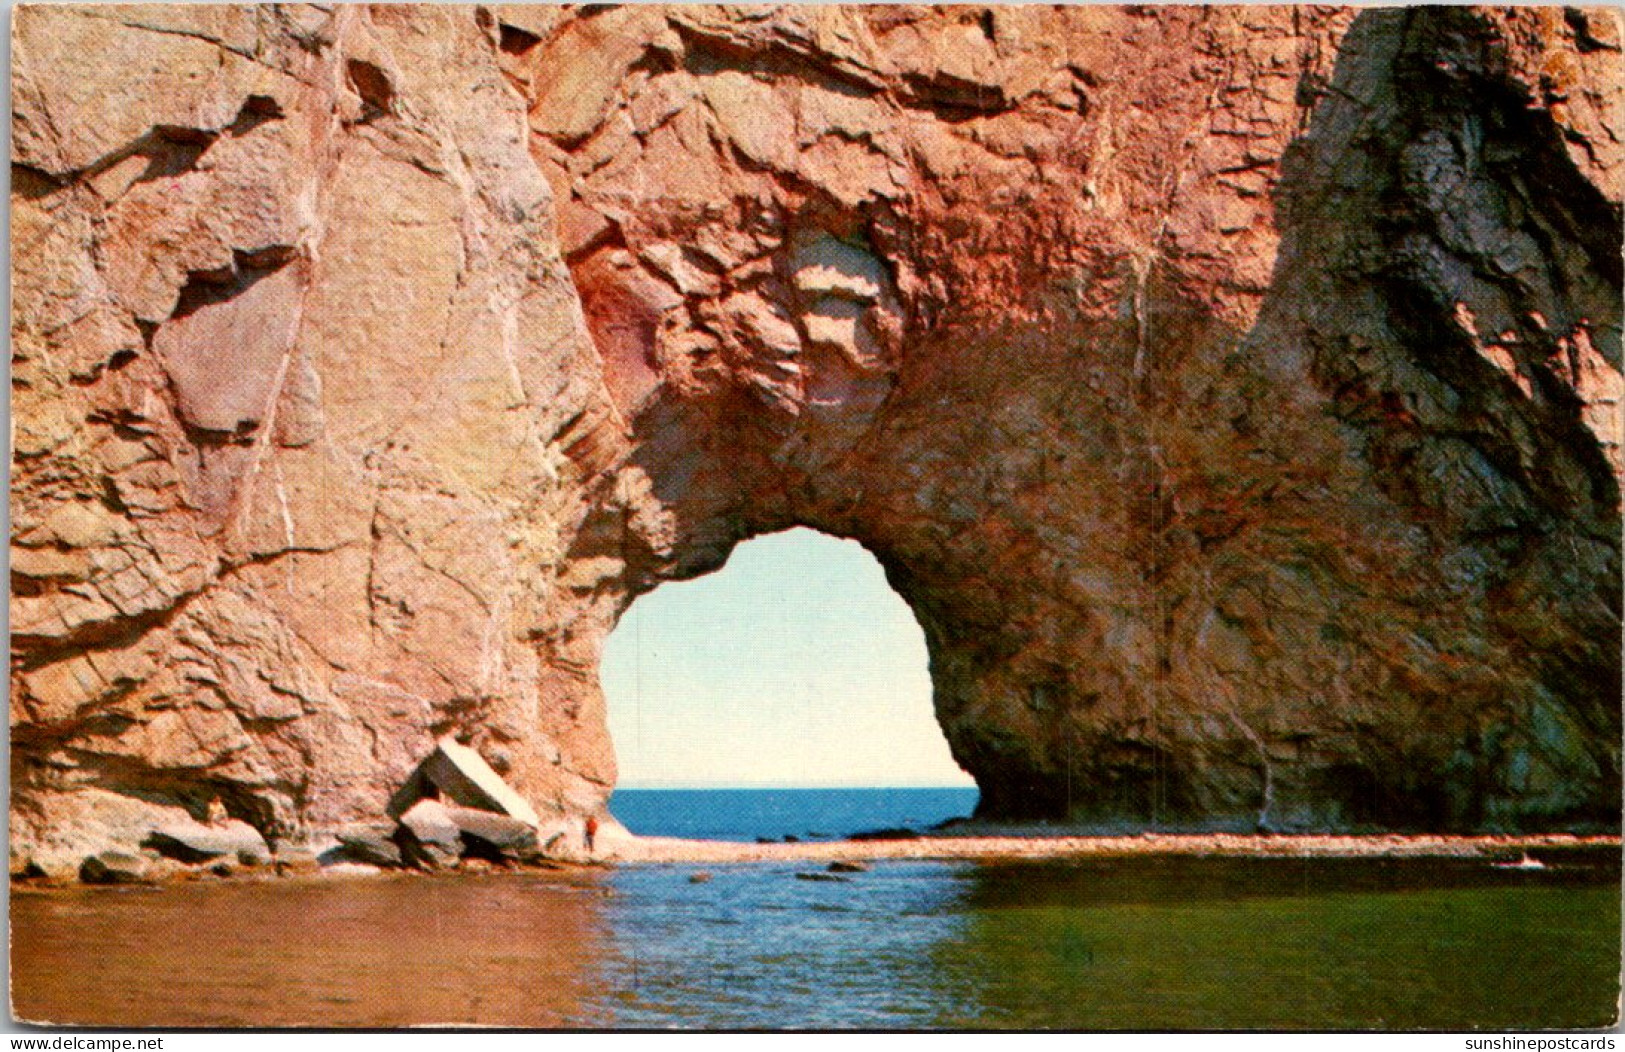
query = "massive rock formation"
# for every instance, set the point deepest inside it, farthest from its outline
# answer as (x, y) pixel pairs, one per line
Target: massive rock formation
(1233, 393)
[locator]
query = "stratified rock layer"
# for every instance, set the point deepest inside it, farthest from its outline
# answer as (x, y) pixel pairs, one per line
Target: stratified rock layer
(1233, 393)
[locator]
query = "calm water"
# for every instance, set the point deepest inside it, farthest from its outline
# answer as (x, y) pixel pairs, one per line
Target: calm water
(1146, 943)
(772, 814)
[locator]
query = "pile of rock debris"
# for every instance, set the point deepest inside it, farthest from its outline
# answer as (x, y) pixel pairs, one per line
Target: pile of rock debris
(454, 811)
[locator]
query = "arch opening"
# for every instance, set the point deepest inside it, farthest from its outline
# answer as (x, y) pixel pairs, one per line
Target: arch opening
(794, 666)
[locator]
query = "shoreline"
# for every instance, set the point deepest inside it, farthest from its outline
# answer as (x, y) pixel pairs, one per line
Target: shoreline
(626, 849)
(636, 850)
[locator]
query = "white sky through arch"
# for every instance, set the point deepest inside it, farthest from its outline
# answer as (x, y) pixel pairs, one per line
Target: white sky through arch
(793, 665)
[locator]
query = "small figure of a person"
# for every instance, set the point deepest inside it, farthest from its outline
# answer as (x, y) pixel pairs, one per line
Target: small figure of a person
(217, 814)
(591, 831)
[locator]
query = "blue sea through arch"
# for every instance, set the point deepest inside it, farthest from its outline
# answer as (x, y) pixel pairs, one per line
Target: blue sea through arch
(787, 694)
(747, 815)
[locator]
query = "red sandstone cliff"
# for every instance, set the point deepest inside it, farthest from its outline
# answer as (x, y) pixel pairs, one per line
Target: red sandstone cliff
(1233, 393)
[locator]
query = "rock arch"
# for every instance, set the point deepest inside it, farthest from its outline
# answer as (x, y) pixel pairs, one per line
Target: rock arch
(1233, 393)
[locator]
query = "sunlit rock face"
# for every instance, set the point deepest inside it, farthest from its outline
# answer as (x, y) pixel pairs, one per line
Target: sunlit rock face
(1233, 393)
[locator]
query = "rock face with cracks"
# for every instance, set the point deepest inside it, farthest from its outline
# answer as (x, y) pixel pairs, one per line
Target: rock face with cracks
(1233, 394)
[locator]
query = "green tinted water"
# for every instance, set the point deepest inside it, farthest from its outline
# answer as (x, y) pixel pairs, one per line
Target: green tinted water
(1297, 946)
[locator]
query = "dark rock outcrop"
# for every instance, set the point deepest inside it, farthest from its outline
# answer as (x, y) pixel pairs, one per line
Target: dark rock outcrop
(371, 844)
(193, 842)
(494, 837)
(115, 867)
(1233, 394)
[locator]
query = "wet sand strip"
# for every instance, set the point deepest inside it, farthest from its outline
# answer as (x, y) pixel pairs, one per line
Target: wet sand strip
(634, 849)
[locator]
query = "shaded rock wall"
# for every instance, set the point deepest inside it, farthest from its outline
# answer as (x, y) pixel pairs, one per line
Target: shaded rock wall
(1233, 393)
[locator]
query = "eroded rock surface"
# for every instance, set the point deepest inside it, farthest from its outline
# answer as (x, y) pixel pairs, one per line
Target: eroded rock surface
(1233, 393)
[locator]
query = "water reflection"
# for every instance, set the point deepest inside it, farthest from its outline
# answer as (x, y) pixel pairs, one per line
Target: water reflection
(496, 951)
(1145, 943)
(1180, 944)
